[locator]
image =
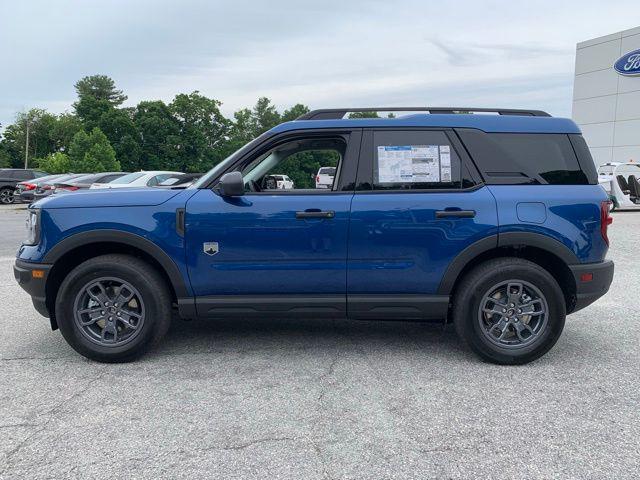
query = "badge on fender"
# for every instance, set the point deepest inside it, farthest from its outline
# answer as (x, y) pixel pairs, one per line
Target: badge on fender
(210, 248)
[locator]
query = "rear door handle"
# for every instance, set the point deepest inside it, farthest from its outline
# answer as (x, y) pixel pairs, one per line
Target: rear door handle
(315, 214)
(455, 213)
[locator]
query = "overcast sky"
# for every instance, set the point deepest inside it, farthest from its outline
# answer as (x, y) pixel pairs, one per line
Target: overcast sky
(321, 53)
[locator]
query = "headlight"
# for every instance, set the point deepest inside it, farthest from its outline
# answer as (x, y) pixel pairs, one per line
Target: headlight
(33, 227)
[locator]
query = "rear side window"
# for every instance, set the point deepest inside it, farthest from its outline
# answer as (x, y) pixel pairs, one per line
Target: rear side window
(520, 158)
(414, 160)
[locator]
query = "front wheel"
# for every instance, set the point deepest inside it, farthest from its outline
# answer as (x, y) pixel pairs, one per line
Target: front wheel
(509, 310)
(112, 308)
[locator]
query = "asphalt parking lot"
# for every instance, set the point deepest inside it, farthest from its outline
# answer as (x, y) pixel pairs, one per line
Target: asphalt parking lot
(323, 400)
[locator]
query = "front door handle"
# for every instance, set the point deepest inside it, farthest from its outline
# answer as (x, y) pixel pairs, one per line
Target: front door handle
(455, 213)
(315, 214)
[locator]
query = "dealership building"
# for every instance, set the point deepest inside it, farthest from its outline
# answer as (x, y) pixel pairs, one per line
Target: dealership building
(606, 96)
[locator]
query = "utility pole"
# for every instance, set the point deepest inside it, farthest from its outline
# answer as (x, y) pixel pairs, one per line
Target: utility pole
(26, 147)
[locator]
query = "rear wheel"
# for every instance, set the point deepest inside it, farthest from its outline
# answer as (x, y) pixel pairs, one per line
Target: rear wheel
(113, 307)
(509, 310)
(7, 196)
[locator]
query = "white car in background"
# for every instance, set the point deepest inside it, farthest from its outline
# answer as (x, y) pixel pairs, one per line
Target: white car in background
(325, 176)
(138, 180)
(622, 182)
(277, 182)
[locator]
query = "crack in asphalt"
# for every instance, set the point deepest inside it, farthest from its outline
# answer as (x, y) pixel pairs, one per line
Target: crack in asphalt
(50, 414)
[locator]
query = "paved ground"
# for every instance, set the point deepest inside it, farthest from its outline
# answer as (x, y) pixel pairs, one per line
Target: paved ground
(320, 400)
(12, 229)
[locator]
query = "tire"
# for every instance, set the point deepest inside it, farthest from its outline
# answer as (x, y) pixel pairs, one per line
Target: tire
(510, 338)
(93, 322)
(7, 196)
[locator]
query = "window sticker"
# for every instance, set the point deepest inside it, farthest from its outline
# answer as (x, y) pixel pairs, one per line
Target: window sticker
(414, 164)
(445, 163)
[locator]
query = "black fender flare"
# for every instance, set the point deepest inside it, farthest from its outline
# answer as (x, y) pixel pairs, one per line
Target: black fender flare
(126, 238)
(508, 239)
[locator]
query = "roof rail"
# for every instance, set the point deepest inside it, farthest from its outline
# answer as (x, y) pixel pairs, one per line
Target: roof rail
(338, 113)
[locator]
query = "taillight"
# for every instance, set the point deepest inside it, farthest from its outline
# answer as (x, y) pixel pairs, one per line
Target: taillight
(47, 187)
(28, 186)
(605, 219)
(317, 178)
(70, 188)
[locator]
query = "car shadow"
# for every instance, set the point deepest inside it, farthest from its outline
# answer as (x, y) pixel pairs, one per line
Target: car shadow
(291, 334)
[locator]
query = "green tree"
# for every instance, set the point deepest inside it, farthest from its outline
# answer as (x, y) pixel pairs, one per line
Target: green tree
(119, 127)
(92, 153)
(65, 127)
(98, 99)
(90, 110)
(40, 124)
(202, 133)
(5, 157)
(294, 112)
(100, 87)
(159, 134)
(264, 116)
(55, 163)
(364, 115)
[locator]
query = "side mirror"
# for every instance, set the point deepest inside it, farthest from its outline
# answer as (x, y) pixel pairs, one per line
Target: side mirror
(231, 185)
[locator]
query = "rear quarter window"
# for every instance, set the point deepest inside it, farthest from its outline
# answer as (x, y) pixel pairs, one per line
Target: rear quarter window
(527, 158)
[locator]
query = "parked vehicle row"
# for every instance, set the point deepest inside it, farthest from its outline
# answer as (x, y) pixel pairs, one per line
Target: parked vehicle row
(622, 182)
(9, 177)
(20, 185)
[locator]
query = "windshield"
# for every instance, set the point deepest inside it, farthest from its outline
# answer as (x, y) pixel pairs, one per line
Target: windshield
(328, 171)
(633, 169)
(127, 178)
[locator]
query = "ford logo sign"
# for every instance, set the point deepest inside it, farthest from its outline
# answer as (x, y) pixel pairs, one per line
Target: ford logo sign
(628, 64)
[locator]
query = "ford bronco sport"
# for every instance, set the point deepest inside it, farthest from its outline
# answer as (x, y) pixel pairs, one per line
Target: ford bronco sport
(494, 222)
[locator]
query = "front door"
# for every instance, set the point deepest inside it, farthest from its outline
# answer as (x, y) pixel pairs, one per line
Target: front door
(278, 248)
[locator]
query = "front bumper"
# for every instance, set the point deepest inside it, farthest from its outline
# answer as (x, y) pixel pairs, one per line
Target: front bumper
(33, 283)
(592, 282)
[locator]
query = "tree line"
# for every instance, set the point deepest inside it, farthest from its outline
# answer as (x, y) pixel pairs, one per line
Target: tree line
(189, 134)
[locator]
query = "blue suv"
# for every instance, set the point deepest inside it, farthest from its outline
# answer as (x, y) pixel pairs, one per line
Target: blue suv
(490, 219)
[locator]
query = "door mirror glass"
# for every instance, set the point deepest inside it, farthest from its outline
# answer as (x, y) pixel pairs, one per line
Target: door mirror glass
(231, 185)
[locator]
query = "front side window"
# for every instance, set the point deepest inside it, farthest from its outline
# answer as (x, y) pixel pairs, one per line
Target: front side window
(415, 160)
(294, 165)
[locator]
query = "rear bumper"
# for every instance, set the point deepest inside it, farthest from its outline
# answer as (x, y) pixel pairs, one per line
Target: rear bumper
(588, 291)
(33, 285)
(26, 196)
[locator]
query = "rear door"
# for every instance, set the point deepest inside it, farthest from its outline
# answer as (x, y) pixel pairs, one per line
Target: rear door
(419, 203)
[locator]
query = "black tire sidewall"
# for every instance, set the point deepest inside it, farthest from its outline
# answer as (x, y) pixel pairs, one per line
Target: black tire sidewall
(143, 279)
(485, 278)
(13, 196)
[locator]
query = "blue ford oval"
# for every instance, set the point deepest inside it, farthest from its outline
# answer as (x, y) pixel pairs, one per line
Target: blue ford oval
(628, 64)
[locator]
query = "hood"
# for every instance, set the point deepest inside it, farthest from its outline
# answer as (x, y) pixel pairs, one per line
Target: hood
(117, 197)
